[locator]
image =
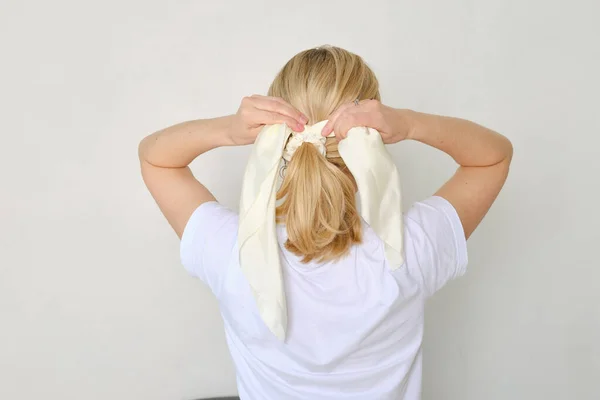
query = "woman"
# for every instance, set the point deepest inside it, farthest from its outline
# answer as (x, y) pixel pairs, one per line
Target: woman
(355, 327)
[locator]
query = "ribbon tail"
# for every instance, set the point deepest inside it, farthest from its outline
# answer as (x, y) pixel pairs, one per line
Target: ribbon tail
(378, 182)
(257, 239)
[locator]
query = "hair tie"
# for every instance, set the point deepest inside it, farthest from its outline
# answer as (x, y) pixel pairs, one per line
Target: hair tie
(311, 134)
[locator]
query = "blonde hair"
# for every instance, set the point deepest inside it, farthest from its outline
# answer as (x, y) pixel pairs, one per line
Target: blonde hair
(318, 192)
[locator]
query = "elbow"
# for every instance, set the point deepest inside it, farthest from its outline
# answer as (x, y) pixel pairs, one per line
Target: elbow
(503, 148)
(504, 153)
(148, 153)
(141, 150)
(509, 150)
(143, 147)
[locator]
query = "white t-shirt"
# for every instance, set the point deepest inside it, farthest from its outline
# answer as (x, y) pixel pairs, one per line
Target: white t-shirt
(355, 328)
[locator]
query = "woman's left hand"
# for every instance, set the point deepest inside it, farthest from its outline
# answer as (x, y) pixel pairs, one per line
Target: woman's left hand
(257, 111)
(393, 124)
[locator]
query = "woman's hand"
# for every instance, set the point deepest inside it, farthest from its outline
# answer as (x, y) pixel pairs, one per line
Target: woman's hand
(257, 111)
(392, 124)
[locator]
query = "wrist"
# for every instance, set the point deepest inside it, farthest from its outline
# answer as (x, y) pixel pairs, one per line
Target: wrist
(406, 123)
(221, 130)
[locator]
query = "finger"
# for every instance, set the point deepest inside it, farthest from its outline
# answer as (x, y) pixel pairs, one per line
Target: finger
(270, 118)
(351, 119)
(328, 128)
(343, 128)
(339, 127)
(280, 106)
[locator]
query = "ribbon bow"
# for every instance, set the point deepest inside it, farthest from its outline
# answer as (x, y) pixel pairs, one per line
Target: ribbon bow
(378, 183)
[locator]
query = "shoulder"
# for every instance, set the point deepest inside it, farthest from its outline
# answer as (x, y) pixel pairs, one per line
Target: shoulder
(208, 237)
(431, 212)
(435, 243)
(210, 219)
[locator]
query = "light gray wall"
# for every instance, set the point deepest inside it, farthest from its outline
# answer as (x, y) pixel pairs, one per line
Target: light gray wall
(93, 301)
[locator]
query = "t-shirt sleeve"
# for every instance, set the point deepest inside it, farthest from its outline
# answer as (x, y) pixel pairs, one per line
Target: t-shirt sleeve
(207, 243)
(435, 244)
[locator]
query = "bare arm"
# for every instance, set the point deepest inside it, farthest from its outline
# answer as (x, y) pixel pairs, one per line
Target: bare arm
(166, 154)
(484, 157)
(164, 158)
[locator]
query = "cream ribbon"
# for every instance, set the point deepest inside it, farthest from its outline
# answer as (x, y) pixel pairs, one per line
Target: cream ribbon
(378, 183)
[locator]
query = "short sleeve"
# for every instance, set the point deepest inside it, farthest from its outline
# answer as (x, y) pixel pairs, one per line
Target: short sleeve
(208, 241)
(435, 244)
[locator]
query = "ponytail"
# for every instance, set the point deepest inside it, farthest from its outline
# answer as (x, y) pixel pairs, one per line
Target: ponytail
(318, 207)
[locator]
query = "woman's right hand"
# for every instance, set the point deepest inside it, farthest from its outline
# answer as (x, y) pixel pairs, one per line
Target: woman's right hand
(257, 111)
(391, 123)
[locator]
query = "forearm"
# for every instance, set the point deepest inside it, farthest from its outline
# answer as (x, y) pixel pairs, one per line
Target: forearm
(469, 144)
(178, 145)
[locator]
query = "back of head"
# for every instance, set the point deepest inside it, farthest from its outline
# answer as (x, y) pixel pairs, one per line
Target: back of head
(318, 192)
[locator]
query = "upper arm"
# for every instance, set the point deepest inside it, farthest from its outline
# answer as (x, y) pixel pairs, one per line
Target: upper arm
(472, 190)
(176, 192)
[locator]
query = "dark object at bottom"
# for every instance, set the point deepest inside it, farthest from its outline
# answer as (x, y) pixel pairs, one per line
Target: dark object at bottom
(222, 398)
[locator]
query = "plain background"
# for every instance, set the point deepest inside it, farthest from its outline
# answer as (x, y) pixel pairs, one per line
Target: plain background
(94, 303)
